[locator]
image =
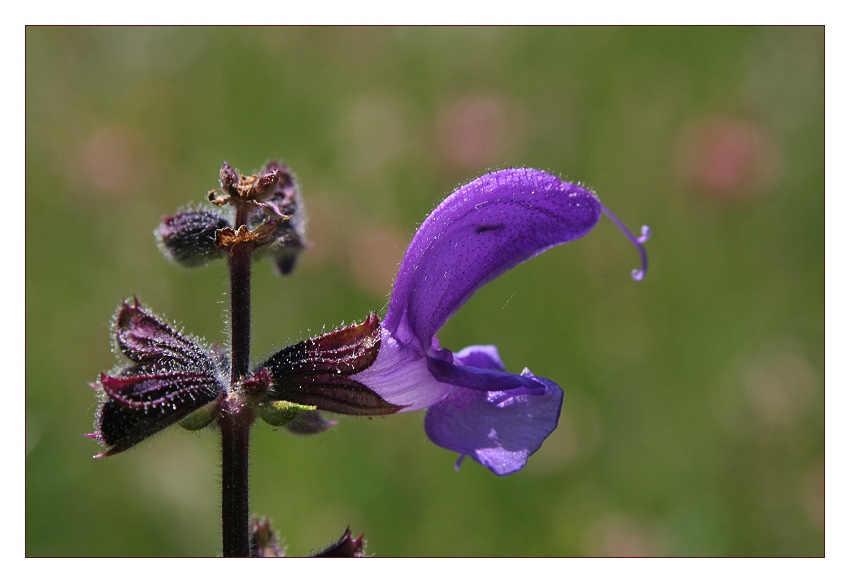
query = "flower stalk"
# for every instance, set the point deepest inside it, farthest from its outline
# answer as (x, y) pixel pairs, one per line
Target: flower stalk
(235, 421)
(235, 418)
(240, 310)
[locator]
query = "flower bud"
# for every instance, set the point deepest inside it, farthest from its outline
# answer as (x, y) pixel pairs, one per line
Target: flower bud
(289, 238)
(229, 179)
(199, 419)
(265, 542)
(189, 237)
(345, 547)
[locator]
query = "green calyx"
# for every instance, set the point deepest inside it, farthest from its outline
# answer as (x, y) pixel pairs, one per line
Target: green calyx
(280, 413)
(199, 418)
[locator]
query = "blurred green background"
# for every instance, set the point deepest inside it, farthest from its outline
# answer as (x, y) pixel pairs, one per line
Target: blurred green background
(693, 421)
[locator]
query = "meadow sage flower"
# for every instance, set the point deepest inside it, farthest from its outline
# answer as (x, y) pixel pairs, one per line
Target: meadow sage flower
(483, 229)
(474, 407)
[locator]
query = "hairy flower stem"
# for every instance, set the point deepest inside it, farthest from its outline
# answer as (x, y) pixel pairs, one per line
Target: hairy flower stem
(236, 418)
(240, 312)
(235, 425)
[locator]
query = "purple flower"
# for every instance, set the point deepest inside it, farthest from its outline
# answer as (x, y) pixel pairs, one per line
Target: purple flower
(479, 232)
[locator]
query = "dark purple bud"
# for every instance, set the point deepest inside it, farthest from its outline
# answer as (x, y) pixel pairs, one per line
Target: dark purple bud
(173, 376)
(285, 262)
(229, 179)
(189, 237)
(286, 189)
(266, 183)
(345, 547)
(317, 372)
(265, 542)
(289, 237)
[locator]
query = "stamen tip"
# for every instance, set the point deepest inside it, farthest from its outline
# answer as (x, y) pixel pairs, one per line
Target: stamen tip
(458, 462)
(645, 232)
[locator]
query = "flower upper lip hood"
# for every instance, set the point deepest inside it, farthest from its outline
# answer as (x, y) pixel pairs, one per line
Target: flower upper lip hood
(482, 230)
(479, 232)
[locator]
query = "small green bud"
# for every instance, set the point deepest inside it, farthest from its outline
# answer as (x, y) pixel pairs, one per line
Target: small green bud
(200, 418)
(279, 413)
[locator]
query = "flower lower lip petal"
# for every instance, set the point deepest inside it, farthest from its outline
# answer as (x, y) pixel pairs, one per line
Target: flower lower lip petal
(480, 379)
(500, 434)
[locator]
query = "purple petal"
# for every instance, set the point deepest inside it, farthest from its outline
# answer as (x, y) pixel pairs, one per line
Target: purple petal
(498, 429)
(400, 375)
(480, 356)
(478, 378)
(483, 229)
(309, 423)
